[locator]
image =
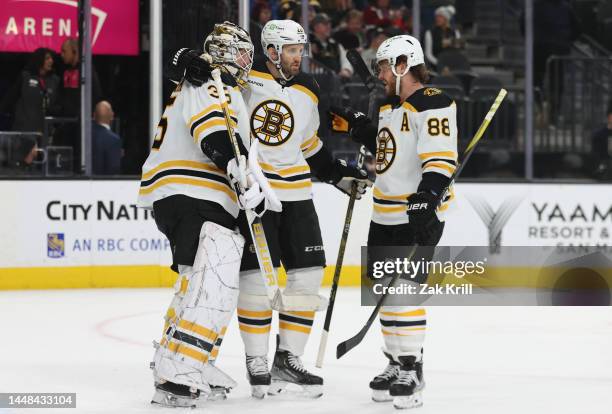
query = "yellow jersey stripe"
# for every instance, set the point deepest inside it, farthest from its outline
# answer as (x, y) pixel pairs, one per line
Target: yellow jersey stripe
(448, 154)
(261, 75)
(209, 124)
(255, 314)
(449, 168)
(206, 111)
(418, 312)
(389, 333)
(290, 185)
(181, 163)
(409, 107)
(385, 108)
(389, 209)
(254, 330)
(284, 172)
(381, 195)
(190, 181)
(307, 92)
(302, 314)
(309, 142)
(292, 327)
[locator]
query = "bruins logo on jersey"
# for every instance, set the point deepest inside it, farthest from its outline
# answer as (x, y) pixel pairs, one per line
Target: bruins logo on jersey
(432, 91)
(272, 122)
(385, 151)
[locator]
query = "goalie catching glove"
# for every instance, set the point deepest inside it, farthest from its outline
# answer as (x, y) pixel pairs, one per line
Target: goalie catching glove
(343, 177)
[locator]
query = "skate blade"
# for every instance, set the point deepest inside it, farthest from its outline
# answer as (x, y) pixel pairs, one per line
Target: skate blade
(413, 401)
(217, 394)
(381, 396)
(305, 391)
(166, 399)
(259, 391)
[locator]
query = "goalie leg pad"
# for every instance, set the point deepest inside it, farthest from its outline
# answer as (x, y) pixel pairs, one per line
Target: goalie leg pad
(403, 329)
(207, 295)
(254, 314)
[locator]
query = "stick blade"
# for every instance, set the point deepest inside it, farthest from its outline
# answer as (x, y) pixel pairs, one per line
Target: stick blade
(344, 347)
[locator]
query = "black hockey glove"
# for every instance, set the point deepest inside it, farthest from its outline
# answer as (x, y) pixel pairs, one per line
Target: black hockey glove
(346, 119)
(189, 64)
(422, 218)
(343, 176)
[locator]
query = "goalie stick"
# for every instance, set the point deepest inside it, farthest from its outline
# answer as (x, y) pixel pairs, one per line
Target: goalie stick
(270, 279)
(351, 343)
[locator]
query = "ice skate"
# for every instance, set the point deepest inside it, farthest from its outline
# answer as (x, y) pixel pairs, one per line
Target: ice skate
(169, 394)
(288, 369)
(381, 383)
(258, 375)
(406, 390)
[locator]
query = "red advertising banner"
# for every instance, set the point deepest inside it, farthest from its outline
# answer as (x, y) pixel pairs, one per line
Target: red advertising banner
(29, 24)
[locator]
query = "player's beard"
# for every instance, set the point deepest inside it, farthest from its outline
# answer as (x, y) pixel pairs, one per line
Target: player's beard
(291, 69)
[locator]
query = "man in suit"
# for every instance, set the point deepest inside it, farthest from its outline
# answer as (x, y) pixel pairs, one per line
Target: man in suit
(106, 144)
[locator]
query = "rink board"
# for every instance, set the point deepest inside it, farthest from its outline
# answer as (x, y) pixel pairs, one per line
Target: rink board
(77, 234)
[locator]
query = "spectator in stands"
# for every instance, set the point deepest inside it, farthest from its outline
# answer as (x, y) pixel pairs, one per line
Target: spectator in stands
(378, 14)
(34, 94)
(441, 36)
(262, 13)
(325, 50)
(292, 9)
(350, 35)
(70, 99)
(375, 37)
(106, 145)
(602, 148)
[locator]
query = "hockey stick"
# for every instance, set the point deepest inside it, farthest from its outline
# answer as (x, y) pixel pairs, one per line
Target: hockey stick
(334, 288)
(370, 82)
(351, 343)
(268, 273)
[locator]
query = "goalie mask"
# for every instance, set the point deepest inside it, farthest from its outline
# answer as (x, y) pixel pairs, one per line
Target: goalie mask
(231, 49)
(281, 34)
(391, 49)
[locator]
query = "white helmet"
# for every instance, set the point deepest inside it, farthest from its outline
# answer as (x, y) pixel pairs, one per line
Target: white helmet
(396, 46)
(278, 33)
(231, 48)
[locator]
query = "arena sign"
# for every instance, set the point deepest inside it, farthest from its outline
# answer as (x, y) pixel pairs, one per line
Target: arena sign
(29, 24)
(85, 233)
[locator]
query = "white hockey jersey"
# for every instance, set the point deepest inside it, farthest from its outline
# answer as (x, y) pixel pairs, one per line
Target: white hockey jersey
(417, 137)
(285, 119)
(176, 164)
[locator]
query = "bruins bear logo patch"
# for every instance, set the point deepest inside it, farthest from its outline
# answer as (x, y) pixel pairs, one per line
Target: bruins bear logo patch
(385, 150)
(272, 122)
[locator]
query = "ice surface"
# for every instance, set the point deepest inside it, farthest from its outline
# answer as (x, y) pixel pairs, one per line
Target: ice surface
(97, 343)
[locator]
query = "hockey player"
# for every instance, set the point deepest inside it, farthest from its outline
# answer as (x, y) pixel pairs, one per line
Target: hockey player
(284, 118)
(189, 180)
(415, 142)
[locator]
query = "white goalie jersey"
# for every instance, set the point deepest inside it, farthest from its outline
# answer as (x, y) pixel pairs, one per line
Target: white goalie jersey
(176, 164)
(285, 119)
(417, 137)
